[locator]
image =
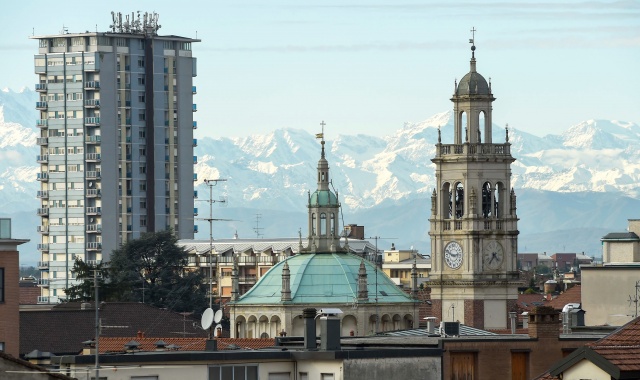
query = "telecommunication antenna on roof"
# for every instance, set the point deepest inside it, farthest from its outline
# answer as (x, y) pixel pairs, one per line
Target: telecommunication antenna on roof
(257, 228)
(635, 299)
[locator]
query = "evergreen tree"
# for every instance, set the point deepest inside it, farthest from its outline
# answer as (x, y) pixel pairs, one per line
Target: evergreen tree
(85, 290)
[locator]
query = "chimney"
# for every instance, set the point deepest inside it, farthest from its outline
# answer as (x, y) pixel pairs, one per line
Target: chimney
(513, 317)
(329, 333)
(544, 323)
(309, 315)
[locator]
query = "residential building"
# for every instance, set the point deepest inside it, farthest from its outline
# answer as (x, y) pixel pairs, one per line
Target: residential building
(9, 290)
(116, 142)
(398, 265)
(529, 261)
(473, 223)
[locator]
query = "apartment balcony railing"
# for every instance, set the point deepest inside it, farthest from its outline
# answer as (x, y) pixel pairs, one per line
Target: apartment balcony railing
(95, 157)
(94, 228)
(93, 262)
(195, 125)
(195, 194)
(250, 279)
(42, 123)
(43, 229)
(94, 210)
(42, 141)
(42, 159)
(91, 85)
(43, 176)
(43, 211)
(195, 176)
(195, 108)
(92, 139)
(195, 143)
(92, 103)
(43, 264)
(92, 121)
(42, 194)
(92, 193)
(44, 282)
(41, 87)
(93, 174)
(241, 260)
(41, 105)
(204, 260)
(195, 211)
(193, 90)
(43, 247)
(94, 245)
(195, 229)
(48, 299)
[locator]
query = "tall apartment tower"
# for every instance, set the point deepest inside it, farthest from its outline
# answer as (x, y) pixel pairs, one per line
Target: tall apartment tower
(116, 142)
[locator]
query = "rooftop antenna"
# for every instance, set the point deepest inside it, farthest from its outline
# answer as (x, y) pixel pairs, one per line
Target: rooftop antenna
(376, 273)
(257, 228)
(635, 299)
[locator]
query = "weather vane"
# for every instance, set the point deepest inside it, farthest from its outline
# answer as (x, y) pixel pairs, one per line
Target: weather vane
(472, 41)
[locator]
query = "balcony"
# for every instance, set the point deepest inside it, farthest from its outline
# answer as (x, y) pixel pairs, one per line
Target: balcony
(43, 265)
(193, 90)
(206, 259)
(195, 194)
(92, 121)
(195, 160)
(195, 211)
(92, 85)
(44, 282)
(93, 157)
(93, 174)
(41, 105)
(94, 245)
(43, 194)
(195, 229)
(43, 247)
(195, 176)
(42, 123)
(93, 263)
(42, 141)
(43, 229)
(92, 103)
(195, 125)
(44, 177)
(94, 210)
(42, 159)
(92, 139)
(250, 279)
(195, 143)
(94, 228)
(43, 211)
(92, 193)
(42, 87)
(195, 108)
(48, 299)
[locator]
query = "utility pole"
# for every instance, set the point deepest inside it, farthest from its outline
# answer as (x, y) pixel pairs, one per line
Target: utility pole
(211, 183)
(376, 273)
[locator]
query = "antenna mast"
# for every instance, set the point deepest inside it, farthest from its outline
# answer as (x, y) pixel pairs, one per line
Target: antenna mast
(211, 183)
(257, 228)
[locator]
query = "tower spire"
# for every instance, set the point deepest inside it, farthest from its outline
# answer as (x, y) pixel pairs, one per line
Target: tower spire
(472, 41)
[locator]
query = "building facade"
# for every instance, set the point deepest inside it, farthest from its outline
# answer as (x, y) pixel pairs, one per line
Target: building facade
(116, 142)
(473, 224)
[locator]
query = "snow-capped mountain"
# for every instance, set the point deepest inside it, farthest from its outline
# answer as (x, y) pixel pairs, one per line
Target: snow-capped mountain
(557, 177)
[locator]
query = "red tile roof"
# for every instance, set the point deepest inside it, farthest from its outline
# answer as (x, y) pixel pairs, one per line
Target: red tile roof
(627, 335)
(626, 358)
(117, 344)
(572, 295)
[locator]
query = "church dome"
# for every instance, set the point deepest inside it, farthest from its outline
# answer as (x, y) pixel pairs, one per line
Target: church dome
(323, 278)
(323, 198)
(473, 84)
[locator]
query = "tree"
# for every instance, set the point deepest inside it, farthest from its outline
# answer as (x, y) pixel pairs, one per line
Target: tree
(85, 290)
(151, 269)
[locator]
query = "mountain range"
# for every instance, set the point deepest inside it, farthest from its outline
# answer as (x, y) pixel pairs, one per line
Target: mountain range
(573, 187)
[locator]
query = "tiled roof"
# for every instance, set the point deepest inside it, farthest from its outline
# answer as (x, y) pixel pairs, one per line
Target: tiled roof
(117, 344)
(626, 358)
(621, 236)
(627, 335)
(546, 376)
(572, 295)
(62, 329)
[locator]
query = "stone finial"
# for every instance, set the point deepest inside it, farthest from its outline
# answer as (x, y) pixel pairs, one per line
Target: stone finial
(286, 283)
(363, 292)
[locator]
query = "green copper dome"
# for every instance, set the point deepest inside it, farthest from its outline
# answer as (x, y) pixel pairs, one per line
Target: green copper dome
(323, 278)
(323, 198)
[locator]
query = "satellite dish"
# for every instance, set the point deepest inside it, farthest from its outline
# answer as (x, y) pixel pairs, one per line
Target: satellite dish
(218, 316)
(207, 318)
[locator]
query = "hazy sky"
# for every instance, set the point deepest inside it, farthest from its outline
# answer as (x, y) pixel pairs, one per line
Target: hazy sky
(369, 66)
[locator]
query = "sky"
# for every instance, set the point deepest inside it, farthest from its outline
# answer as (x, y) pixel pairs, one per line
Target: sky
(370, 66)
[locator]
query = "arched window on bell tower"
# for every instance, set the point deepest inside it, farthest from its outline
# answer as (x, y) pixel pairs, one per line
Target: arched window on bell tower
(482, 126)
(314, 224)
(323, 224)
(498, 197)
(459, 196)
(486, 200)
(446, 200)
(333, 224)
(461, 134)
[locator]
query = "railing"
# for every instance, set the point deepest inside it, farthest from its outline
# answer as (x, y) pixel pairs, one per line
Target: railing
(43, 229)
(241, 259)
(93, 156)
(467, 148)
(195, 194)
(93, 174)
(195, 211)
(94, 227)
(41, 87)
(195, 143)
(42, 194)
(42, 141)
(488, 225)
(498, 224)
(93, 139)
(44, 158)
(204, 260)
(43, 264)
(92, 84)
(43, 247)
(247, 279)
(42, 176)
(94, 245)
(43, 211)
(42, 123)
(195, 108)
(193, 90)
(92, 120)
(92, 103)
(195, 176)
(457, 225)
(41, 105)
(48, 299)
(446, 225)
(267, 259)
(94, 210)
(43, 282)
(195, 229)
(195, 160)
(93, 192)
(93, 262)
(195, 125)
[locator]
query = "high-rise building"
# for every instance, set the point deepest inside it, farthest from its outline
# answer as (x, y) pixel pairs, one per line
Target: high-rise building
(116, 142)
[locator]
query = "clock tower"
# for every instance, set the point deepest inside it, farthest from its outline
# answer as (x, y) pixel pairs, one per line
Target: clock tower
(473, 224)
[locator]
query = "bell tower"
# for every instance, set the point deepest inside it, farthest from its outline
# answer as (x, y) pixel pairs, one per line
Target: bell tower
(473, 224)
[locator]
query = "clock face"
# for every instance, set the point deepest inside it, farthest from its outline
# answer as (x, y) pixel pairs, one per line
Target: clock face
(493, 255)
(453, 255)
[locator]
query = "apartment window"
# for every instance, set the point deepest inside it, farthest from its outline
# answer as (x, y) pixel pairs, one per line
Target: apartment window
(1, 291)
(142, 116)
(141, 79)
(143, 204)
(143, 169)
(143, 218)
(143, 185)
(140, 62)
(44, 43)
(279, 376)
(143, 152)
(141, 97)
(327, 376)
(121, 42)
(77, 41)
(304, 376)
(233, 372)
(142, 134)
